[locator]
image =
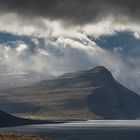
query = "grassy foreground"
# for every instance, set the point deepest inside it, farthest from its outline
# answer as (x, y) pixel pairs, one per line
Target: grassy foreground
(11, 136)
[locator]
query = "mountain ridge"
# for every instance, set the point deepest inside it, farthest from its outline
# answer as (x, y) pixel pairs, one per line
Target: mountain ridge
(85, 95)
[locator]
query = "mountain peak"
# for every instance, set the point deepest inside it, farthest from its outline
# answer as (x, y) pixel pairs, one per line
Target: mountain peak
(101, 72)
(99, 69)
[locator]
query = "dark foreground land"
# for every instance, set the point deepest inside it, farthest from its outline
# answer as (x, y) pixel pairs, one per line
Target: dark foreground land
(11, 136)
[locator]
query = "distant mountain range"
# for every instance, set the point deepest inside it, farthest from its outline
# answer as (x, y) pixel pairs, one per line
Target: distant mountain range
(84, 95)
(12, 80)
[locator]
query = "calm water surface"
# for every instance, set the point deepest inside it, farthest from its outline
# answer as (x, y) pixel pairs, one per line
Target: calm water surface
(86, 130)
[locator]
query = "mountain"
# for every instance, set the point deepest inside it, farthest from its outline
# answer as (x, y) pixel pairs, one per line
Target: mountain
(7, 120)
(84, 95)
(11, 80)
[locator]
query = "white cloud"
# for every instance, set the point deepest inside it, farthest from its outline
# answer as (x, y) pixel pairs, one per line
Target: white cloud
(67, 54)
(67, 48)
(21, 48)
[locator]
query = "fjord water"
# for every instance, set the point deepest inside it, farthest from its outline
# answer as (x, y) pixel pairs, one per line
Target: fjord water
(86, 130)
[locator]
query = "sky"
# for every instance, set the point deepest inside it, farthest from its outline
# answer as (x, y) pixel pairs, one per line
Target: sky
(59, 36)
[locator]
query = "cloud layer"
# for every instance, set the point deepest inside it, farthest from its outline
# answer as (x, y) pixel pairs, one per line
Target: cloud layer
(67, 53)
(57, 36)
(75, 11)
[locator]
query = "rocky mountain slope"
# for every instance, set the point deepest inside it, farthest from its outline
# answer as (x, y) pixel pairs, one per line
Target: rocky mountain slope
(84, 95)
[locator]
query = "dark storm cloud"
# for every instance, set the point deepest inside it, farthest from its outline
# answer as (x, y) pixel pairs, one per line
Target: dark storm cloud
(77, 11)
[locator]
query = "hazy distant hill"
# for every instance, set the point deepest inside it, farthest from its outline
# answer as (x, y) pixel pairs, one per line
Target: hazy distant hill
(92, 94)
